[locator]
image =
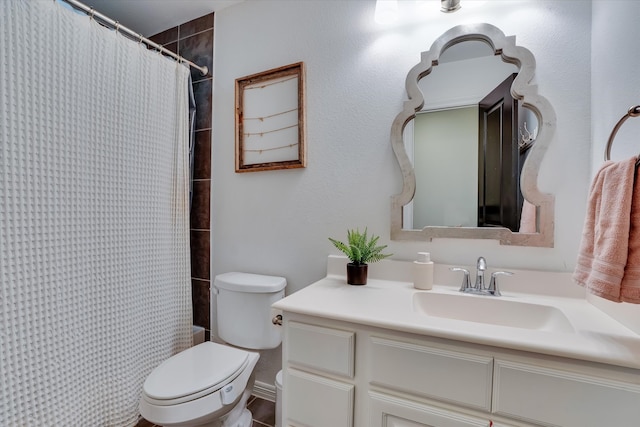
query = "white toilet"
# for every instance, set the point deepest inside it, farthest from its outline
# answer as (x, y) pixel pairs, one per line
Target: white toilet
(209, 384)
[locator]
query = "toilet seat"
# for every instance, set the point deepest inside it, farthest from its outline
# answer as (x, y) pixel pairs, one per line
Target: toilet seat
(193, 373)
(212, 401)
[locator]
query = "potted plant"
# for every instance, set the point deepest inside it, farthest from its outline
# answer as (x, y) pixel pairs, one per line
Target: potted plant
(361, 250)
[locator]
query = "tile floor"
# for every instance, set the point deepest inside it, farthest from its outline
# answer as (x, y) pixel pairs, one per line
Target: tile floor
(264, 413)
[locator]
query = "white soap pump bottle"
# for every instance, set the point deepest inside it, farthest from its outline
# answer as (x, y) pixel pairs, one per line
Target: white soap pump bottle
(423, 271)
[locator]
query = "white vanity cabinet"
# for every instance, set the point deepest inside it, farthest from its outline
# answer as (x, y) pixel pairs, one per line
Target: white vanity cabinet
(345, 374)
(319, 374)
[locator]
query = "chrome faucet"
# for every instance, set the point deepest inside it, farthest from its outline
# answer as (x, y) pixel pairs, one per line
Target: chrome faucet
(493, 285)
(481, 267)
(479, 288)
(466, 282)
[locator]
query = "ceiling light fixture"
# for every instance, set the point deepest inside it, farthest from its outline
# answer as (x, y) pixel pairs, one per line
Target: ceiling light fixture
(448, 6)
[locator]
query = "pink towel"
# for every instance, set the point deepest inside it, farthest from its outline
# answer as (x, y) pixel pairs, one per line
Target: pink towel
(630, 286)
(606, 240)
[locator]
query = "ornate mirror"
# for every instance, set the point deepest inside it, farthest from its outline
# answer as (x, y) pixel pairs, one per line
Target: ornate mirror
(470, 141)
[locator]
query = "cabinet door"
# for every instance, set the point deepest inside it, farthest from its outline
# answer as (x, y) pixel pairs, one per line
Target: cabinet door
(390, 411)
(438, 373)
(556, 397)
(324, 349)
(315, 401)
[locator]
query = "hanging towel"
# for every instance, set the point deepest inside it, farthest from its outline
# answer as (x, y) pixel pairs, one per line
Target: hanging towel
(630, 286)
(604, 250)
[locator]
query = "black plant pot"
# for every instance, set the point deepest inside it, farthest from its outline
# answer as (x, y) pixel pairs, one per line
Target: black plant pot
(356, 274)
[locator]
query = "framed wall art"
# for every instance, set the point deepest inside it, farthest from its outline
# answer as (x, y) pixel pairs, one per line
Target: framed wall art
(270, 131)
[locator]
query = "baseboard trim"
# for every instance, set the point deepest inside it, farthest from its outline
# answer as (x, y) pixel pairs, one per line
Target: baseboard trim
(264, 391)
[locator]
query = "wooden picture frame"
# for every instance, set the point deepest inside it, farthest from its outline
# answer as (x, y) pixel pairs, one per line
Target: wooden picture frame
(270, 129)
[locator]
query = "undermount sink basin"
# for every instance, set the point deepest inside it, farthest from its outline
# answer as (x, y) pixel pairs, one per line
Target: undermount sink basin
(491, 310)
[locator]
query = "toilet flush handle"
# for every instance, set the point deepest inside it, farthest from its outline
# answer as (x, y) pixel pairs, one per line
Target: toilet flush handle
(277, 320)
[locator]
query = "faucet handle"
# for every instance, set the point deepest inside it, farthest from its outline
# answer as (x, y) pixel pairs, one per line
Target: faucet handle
(493, 284)
(466, 282)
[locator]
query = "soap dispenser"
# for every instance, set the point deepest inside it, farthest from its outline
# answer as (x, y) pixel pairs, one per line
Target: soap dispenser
(423, 271)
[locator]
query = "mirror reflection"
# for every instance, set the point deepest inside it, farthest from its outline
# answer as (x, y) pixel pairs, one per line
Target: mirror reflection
(470, 140)
(472, 135)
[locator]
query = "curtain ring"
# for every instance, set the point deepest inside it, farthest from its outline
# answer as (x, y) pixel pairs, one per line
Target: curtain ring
(92, 12)
(117, 26)
(140, 38)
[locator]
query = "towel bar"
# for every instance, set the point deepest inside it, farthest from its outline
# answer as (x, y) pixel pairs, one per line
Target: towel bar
(633, 112)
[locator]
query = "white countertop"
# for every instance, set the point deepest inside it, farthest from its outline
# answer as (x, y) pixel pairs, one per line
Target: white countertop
(389, 304)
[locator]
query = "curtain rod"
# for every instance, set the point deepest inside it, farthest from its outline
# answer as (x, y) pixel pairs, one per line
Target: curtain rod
(118, 27)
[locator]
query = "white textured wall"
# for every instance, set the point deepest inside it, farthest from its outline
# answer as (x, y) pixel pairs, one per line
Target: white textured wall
(278, 222)
(615, 88)
(616, 78)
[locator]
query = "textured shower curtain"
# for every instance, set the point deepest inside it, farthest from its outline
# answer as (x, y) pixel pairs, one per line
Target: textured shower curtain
(94, 244)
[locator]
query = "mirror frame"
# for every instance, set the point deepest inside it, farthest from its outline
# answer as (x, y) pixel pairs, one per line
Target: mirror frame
(526, 94)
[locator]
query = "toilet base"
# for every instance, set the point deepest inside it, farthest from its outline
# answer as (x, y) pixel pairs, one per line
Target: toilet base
(239, 416)
(245, 420)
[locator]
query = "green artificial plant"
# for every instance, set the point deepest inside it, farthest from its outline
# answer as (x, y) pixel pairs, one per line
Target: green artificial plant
(360, 248)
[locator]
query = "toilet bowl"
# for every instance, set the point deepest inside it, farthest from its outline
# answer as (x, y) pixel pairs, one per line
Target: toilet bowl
(209, 384)
(198, 385)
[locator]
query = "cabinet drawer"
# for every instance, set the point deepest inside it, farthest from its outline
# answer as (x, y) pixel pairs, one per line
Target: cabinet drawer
(437, 373)
(390, 411)
(325, 349)
(314, 401)
(554, 397)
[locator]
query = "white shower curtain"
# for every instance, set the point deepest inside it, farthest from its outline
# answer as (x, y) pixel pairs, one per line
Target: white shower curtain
(94, 241)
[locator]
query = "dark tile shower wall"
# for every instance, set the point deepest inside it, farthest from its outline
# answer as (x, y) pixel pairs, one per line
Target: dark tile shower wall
(194, 41)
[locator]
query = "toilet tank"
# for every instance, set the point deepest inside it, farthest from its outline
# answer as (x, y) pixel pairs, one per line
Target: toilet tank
(243, 309)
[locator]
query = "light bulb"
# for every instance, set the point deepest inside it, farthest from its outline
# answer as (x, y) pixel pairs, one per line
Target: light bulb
(448, 6)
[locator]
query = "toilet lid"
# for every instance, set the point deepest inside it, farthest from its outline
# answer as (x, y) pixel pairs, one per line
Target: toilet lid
(191, 371)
